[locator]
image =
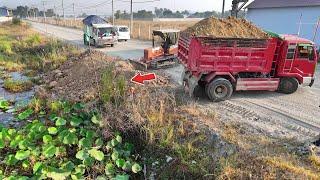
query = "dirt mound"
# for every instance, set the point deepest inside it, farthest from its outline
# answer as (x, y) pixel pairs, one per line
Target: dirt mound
(78, 79)
(226, 28)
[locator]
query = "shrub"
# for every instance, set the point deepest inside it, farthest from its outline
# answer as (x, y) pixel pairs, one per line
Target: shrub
(68, 146)
(113, 87)
(6, 47)
(16, 21)
(33, 40)
(16, 86)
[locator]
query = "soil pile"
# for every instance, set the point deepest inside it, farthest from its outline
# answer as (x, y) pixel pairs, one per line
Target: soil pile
(78, 79)
(226, 28)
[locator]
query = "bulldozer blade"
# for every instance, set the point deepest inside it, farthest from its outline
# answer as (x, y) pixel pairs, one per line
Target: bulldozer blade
(138, 65)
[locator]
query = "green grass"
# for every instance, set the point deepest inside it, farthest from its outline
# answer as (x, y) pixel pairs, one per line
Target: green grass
(113, 88)
(21, 47)
(16, 86)
(67, 144)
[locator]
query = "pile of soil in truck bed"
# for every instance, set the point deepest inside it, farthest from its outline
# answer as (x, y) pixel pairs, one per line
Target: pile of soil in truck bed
(226, 28)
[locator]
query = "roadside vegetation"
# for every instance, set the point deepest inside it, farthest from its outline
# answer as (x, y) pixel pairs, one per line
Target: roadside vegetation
(60, 141)
(123, 131)
(16, 86)
(21, 48)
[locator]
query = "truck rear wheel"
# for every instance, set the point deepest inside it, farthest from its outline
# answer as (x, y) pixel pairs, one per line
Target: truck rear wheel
(288, 85)
(219, 90)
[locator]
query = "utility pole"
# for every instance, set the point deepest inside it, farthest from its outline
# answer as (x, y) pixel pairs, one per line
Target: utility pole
(131, 19)
(44, 15)
(112, 12)
(74, 14)
(44, 11)
(28, 13)
(316, 30)
(63, 10)
(223, 5)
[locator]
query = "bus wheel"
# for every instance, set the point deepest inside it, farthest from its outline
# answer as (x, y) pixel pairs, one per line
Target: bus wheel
(288, 85)
(219, 90)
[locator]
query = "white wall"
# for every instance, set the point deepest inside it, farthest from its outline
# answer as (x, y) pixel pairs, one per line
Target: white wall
(5, 19)
(287, 20)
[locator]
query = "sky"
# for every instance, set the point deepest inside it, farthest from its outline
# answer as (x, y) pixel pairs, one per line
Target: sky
(103, 7)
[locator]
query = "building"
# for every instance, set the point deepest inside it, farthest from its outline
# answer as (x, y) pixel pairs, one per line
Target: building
(5, 14)
(287, 16)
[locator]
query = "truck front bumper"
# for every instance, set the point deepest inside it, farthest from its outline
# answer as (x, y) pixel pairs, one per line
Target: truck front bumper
(308, 81)
(106, 42)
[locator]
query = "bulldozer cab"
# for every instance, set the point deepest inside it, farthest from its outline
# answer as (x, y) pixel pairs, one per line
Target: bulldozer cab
(166, 38)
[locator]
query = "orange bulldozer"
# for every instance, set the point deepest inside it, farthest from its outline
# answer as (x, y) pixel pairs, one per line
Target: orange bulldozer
(162, 56)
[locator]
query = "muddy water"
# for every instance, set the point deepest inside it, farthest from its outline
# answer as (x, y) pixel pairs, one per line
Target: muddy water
(19, 99)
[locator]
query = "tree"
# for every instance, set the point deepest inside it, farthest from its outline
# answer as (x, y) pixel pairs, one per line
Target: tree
(50, 13)
(21, 11)
(158, 12)
(117, 15)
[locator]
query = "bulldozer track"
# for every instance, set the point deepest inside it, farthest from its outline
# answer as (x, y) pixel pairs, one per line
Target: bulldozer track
(297, 125)
(293, 119)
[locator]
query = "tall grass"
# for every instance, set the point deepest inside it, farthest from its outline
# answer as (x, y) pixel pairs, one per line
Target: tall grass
(21, 47)
(16, 86)
(113, 87)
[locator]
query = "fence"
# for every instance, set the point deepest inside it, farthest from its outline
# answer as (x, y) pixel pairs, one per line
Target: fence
(141, 29)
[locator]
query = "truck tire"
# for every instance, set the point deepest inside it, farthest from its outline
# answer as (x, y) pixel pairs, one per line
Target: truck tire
(85, 42)
(288, 85)
(219, 89)
(95, 44)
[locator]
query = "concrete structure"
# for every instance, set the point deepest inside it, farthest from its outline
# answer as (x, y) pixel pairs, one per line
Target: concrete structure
(287, 16)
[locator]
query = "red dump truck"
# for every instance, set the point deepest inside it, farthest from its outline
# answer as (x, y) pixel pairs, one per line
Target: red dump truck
(224, 65)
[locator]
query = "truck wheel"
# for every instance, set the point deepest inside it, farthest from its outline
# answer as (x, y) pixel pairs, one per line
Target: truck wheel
(219, 90)
(112, 45)
(95, 44)
(288, 85)
(85, 40)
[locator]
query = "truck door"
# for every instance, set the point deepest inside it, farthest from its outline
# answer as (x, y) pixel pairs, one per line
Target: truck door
(305, 60)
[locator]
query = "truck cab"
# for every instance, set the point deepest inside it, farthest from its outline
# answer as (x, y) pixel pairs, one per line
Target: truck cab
(101, 35)
(123, 33)
(297, 61)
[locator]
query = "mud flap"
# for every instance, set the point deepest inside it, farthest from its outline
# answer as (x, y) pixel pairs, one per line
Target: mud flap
(312, 82)
(190, 82)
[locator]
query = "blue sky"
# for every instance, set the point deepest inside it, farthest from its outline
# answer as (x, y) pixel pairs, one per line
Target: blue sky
(104, 6)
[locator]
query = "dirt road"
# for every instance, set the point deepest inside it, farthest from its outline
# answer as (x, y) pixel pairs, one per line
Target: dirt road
(132, 49)
(279, 115)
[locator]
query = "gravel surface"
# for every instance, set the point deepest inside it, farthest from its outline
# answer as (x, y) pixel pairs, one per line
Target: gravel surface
(296, 115)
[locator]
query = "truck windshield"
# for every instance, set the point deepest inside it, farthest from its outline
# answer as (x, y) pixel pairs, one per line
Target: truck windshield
(106, 31)
(306, 51)
(123, 29)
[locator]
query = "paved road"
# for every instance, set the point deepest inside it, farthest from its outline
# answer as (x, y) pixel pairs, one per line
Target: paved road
(295, 115)
(132, 49)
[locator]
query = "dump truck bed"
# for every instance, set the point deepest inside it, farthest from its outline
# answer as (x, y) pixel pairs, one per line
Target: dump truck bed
(202, 55)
